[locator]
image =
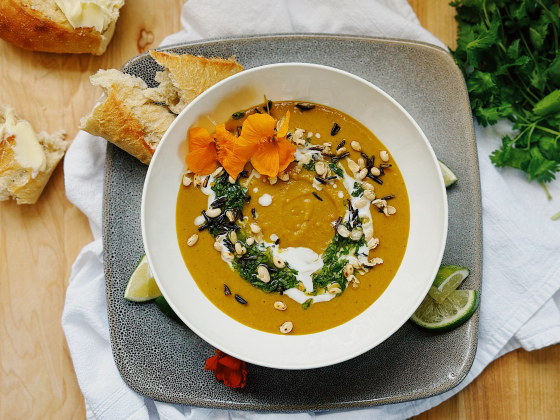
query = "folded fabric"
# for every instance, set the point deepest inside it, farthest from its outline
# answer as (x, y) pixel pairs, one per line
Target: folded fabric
(521, 271)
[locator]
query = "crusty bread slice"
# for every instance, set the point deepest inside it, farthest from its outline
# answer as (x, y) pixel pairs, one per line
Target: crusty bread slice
(125, 116)
(40, 25)
(187, 76)
(19, 182)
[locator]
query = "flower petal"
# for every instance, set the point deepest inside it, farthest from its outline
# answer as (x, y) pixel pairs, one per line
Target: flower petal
(242, 152)
(212, 363)
(286, 152)
(283, 131)
(225, 141)
(257, 128)
(202, 158)
(266, 160)
(231, 362)
(234, 378)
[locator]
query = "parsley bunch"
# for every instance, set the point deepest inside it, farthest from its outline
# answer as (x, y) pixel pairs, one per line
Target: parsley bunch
(508, 52)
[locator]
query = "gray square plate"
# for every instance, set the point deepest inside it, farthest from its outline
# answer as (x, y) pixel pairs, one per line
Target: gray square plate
(165, 361)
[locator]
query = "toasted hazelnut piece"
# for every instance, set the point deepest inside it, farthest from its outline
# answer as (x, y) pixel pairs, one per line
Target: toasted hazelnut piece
(353, 166)
(362, 174)
(186, 181)
(233, 236)
(343, 231)
(281, 306)
(197, 181)
(334, 289)
(263, 274)
(320, 168)
(273, 180)
(369, 195)
(375, 171)
(348, 270)
(218, 172)
(341, 151)
(231, 180)
(240, 249)
(305, 159)
(230, 215)
(361, 202)
(218, 246)
(284, 176)
(278, 262)
(250, 240)
(255, 228)
(361, 163)
(286, 327)
(389, 210)
(192, 240)
(368, 186)
(356, 234)
(227, 255)
(356, 146)
(384, 156)
(372, 243)
(213, 212)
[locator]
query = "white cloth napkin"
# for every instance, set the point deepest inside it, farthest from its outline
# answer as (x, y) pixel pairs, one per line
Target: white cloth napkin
(521, 269)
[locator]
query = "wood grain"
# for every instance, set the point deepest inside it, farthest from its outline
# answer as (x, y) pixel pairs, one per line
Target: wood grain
(39, 243)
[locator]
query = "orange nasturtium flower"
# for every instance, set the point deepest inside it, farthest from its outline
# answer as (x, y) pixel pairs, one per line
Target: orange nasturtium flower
(269, 150)
(228, 369)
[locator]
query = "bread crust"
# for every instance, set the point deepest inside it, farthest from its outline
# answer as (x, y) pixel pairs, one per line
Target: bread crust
(114, 121)
(29, 28)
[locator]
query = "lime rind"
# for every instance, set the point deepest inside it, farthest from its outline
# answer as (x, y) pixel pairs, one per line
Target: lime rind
(455, 310)
(449, 178)
(448, 278)
(141, 285)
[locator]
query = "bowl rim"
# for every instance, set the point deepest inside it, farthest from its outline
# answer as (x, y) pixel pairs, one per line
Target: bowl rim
(344, 357)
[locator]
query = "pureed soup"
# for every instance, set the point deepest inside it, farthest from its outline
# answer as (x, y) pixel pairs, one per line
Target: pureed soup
(304, 251)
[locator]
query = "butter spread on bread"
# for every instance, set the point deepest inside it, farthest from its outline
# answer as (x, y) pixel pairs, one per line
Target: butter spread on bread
(27, 159)
(125, 116)
(187, 76)
(96, 14)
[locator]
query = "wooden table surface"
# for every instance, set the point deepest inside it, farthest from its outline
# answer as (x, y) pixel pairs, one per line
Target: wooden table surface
(39, 243)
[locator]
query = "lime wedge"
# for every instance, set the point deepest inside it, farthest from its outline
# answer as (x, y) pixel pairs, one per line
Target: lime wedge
(454, 311)
(141, 284)
(448, 278)
(166, 309)
(449, 177)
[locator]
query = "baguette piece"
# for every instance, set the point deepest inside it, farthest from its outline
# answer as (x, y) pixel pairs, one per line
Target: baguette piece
(187, 76)
(125, 116)
(41, 25)
(27, 159)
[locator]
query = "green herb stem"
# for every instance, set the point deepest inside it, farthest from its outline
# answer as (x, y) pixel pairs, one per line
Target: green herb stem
(546, 190)
(556, 216)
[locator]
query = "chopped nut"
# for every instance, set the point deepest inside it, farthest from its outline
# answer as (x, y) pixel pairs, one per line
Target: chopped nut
(192, 240)
(230, 215)
(305, 159)
(368, 186)
(255, 228)
(197, 181)
(356, 146)
(369, 195)
(284, 176)
(217, 172)
(240, 249)
(343, 231)
(375, 171)
(353, 166)
(186, 181)
(281, 306)
(300, 286)
(228, 256)
(218, 246)
(334, 289)
(320, 168)
(348, 270)
(250, 240)
(354, 261)
(233, 236)
(286, 327)
(361, 163)
(297, 137)
(213, 212)
(341, 151)
(278, 262)
(231, 180)
(372, 243)
(356, 234)
(380, 204)
(362, 174)
(273, 180)
(263, 274)
(361, 202)
(384, 156)
(389, 210)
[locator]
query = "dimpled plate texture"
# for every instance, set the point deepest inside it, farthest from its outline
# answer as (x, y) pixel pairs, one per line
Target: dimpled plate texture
(163, 360)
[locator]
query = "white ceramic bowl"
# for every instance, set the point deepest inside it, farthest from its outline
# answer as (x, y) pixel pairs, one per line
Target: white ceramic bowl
(406, 144)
